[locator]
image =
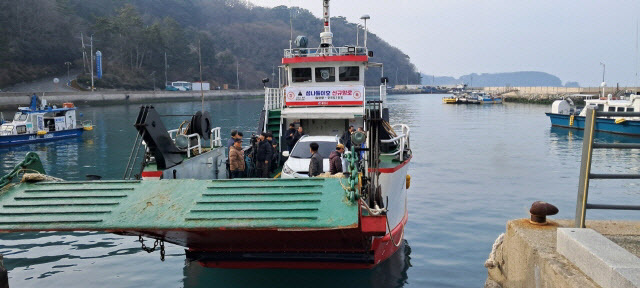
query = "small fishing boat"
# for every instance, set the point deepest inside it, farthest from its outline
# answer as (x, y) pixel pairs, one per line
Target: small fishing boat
(40, 123)
(565, 114)
(486, 98)
(450, 100)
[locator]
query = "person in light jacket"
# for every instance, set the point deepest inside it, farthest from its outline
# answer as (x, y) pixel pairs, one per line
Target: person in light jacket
(236, 159)
(315, 165)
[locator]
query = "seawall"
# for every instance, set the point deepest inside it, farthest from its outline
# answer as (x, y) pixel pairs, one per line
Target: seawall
(546, 95)
(10, 99)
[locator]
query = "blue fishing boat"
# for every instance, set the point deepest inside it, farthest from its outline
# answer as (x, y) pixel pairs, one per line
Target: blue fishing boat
(40, 122)
(564, 114)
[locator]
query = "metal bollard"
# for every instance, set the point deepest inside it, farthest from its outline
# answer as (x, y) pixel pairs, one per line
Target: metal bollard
(4, 276)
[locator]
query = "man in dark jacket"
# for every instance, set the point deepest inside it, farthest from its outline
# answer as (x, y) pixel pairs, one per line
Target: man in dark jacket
(291, 133)
(297, 137)
(265, 153)
(346, 137)
(335, 160)
(234, 134)
(315, 165)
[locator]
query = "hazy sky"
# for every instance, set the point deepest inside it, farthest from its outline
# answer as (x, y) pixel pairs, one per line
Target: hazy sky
(567, 38)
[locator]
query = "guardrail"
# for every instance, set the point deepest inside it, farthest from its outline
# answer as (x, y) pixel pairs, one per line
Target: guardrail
(273, 98)
(329, 51)
(216, 139)
(585, 166)
(402, 140)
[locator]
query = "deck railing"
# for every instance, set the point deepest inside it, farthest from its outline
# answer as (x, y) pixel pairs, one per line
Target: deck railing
(330, 51)
(216, 138)
(403, 140)
(585, 166)
(273, 98)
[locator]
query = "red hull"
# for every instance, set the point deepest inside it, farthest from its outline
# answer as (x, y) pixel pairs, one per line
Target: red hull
(374, 249)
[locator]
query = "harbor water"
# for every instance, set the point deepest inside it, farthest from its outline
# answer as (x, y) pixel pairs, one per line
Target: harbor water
(474, 168)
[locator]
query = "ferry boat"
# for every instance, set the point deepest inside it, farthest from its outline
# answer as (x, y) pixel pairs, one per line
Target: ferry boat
(40, 123)
(565, 114)
(181, 192)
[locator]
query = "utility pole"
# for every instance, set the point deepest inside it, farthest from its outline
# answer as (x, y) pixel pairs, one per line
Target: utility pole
(92, 86)
(165, 68)
(154, 80)
(201, 83)
(68, 65)
(273, 75)
(396, 76)
(84, 54)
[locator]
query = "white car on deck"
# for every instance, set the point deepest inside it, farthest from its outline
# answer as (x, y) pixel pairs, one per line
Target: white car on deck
(297, 166)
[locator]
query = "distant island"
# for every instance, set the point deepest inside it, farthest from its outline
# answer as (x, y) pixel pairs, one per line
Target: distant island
(522, 78)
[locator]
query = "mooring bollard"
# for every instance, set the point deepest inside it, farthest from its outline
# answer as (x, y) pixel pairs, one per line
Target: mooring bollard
(4, 276)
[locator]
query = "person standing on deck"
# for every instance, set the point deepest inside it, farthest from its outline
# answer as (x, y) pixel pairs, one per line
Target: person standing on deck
(234, 133)
(346, 137)
(291, 133)
(335, 160)
(315, 165)
(265, 153)
(297, 136)
(236, 159)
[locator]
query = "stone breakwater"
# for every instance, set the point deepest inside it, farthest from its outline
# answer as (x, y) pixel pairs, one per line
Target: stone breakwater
(10, 100)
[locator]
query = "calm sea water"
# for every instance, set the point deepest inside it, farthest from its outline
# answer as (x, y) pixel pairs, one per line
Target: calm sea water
(474, 168)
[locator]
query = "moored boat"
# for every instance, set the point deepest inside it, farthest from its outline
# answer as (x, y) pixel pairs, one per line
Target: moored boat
(41, 122)
(565, 114)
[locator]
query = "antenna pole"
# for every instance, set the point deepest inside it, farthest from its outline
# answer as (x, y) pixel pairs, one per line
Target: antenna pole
(326, 37)
(92, 87)
(165, 69)
(201, 83)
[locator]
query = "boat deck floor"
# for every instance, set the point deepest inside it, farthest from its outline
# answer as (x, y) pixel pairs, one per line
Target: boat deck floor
(112, 206)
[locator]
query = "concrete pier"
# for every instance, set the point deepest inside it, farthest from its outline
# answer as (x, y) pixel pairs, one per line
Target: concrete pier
(546, 256)
(11, 99)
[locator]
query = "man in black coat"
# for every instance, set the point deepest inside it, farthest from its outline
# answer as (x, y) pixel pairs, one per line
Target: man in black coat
(265, 154)
(346, 137)
(297, 136)
(291, 133)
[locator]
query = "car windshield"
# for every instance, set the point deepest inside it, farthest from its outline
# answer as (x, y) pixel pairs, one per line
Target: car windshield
(302, 149)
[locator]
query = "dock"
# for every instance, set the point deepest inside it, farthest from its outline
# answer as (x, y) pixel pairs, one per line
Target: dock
(605, 254)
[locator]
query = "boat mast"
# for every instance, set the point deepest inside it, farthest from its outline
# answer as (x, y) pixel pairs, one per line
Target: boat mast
(326, 36)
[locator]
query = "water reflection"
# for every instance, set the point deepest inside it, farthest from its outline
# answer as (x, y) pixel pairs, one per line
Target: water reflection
(391, 273)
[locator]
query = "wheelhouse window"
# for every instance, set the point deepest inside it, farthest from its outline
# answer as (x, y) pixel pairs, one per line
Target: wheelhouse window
(325, 74)
(349, 73)
(21, 129)
(612, 109)
(599, 108)
(20, 117)
(629, 109)
(301, 75)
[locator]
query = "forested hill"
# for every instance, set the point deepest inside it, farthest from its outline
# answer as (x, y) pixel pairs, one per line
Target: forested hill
(37, 37)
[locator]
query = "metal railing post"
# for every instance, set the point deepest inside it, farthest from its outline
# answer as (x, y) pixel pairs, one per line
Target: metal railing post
(585, 168)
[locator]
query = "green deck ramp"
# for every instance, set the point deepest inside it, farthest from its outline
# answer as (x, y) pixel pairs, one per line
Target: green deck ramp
(177, 204)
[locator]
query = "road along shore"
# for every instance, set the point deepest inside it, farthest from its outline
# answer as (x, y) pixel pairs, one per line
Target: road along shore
(12, 99)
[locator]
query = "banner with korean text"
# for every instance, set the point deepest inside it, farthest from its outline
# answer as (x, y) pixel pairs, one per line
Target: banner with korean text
(325, 96)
